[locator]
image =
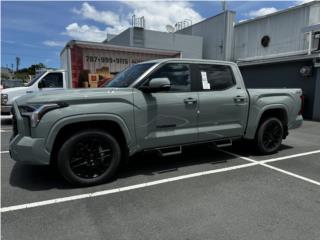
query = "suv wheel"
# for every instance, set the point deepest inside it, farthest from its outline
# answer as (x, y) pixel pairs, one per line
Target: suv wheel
(89, 157)
(269, 136)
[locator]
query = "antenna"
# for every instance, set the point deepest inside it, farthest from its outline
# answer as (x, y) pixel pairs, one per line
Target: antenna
(224, 5)
(170, 28)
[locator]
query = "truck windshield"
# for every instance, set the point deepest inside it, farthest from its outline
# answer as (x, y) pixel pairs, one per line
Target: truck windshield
(129, 75)
(33, 80)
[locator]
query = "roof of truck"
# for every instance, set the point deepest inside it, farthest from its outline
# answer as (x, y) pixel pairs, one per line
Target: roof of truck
(190, 60)
(120, 48)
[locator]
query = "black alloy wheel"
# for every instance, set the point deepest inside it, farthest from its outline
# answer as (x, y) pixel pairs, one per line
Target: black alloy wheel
(269, 136)
(89, 157)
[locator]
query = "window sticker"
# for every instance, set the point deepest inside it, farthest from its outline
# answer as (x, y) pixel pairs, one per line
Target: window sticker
(205, 83)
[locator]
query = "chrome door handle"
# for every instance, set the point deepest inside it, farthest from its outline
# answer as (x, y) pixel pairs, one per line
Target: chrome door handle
(190, 100)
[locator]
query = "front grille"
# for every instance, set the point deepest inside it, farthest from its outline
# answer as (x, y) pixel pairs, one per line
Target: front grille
(14, 123)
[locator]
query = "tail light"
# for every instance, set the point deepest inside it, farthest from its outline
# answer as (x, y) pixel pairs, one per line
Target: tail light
(302, 105)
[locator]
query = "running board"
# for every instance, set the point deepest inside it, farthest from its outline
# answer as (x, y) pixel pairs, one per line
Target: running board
(168, 151)
(223, 143)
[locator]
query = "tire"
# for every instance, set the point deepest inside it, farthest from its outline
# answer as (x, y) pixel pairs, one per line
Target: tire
(89, 157)
(269, 136)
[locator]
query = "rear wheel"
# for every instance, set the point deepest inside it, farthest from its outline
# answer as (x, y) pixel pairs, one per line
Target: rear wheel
(89, 157)
(269, 136)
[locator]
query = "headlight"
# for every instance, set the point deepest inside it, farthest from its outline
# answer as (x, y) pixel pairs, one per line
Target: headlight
(4, 98)
(36, 111)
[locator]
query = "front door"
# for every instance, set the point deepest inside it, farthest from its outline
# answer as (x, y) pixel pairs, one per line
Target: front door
(223, 103)
(170, 117)
(52, 81)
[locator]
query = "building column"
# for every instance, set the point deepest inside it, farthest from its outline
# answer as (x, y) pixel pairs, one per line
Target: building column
(316, 104)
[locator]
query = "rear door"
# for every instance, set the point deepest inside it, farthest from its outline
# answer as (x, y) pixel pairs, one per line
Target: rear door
(223, 103)
(170, 117)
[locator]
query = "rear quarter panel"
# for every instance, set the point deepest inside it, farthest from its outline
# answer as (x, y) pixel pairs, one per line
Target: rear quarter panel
(262, 100)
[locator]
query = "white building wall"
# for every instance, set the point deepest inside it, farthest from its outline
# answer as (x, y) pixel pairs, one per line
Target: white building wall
(284, 30)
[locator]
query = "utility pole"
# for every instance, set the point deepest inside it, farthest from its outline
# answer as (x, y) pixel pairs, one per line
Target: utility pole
(17, 63)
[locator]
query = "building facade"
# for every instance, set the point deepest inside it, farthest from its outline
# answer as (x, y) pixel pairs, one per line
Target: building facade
(278, 50)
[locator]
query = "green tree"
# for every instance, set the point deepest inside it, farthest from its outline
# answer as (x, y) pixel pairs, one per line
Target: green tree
(32, 69)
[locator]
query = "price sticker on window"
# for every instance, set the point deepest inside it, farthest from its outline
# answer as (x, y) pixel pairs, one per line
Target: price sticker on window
(205, 83)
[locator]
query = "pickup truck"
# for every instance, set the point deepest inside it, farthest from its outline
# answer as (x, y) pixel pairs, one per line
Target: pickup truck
(160, 105)
(44, 81)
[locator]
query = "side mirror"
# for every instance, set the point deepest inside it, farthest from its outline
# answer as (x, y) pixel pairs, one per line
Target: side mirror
(40, 85)
(157, 85)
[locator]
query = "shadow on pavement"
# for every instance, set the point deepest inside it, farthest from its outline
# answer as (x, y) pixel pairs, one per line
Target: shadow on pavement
(38, 178)
(247, 149)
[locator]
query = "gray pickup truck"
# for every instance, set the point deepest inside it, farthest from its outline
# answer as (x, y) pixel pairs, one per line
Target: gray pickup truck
(158, 105)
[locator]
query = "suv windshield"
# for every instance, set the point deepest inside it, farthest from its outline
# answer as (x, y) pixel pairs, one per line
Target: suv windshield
(33, 80)
(129, 75)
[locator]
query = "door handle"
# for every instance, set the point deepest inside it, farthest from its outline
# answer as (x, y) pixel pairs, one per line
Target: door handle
(29, 91)
(239, 99)
(190, 100)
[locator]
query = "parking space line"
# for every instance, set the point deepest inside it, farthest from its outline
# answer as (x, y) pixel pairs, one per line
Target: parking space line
(291, 174)
(122, 189)
(290, 156)
(4, 152)
(263, 163)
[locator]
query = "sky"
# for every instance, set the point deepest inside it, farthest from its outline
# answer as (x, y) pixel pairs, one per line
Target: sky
(37, 31)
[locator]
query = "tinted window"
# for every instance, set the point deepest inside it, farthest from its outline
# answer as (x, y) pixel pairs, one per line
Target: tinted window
(52, 80)
(178, 75)
(216, 77)
(129, 75)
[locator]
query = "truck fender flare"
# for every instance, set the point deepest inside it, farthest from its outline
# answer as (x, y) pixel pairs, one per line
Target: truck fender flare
(254, 123)
(55, 129)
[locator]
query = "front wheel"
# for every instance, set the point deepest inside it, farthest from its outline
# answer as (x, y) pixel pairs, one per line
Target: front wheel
(269, 136)
(89, 157)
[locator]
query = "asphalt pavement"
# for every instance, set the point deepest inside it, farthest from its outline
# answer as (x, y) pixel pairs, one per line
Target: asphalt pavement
(204, 193)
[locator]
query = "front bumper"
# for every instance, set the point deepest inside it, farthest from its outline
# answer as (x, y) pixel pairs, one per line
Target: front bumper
(29, 150)
(6, 109)
(24, 148)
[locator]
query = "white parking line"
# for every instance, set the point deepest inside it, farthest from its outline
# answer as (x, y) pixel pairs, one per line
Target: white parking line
(147, 184)
(4, 152)
(122, 189)
(290, 156)
(263, 163)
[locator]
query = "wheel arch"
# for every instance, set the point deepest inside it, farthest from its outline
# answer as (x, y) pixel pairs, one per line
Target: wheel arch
(66, 127)
(278, 110)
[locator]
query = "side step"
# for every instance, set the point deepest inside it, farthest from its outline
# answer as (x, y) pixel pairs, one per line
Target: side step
(170, 151)
(223, 143)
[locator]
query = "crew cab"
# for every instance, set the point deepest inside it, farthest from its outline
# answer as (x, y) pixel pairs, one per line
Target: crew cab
(158, 105)
(42, 82)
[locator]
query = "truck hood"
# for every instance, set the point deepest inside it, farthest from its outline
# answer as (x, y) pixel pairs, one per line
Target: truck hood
(77, 96)
(14, 90)
(14, 93)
